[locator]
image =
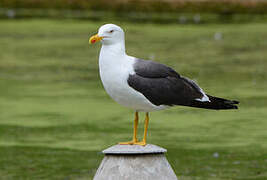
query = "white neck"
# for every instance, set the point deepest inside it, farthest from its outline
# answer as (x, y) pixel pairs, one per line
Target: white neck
(112, 56)
(113, 50)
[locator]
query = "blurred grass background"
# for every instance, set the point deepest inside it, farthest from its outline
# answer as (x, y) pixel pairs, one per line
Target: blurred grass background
(55, 116)
(156, 11)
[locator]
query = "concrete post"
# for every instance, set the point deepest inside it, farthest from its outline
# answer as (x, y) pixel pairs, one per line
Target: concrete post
(134, 162)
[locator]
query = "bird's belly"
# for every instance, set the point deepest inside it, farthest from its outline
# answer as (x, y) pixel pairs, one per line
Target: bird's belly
(117, 87)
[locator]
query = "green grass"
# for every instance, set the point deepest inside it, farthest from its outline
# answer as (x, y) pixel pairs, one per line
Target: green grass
(55, 116)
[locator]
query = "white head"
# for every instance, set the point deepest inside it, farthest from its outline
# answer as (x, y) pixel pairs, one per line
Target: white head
(108, 34)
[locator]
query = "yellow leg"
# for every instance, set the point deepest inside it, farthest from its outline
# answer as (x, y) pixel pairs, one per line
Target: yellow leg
(143, 142)
(134, 132)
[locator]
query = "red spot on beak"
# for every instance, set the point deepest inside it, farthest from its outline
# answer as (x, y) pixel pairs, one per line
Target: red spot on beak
(93, 41)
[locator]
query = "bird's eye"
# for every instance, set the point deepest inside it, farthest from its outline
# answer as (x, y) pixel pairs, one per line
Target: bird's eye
(111, 31)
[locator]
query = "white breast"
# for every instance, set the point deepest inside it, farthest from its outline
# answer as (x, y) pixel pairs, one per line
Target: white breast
(114, 72)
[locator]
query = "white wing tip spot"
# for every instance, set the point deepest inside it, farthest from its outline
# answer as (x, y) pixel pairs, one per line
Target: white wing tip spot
(205, 98)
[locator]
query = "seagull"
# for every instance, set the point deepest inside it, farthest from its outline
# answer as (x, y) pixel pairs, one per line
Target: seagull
(145, 85)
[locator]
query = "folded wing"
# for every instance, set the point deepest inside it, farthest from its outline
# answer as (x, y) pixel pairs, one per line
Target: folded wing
(161, 85)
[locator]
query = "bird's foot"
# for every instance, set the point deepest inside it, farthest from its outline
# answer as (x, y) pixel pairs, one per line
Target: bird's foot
(129, 142)
(141, 143)
(133, 142)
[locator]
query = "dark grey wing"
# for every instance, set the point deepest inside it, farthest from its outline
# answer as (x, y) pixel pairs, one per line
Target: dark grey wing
(161, 85)
(151, 69)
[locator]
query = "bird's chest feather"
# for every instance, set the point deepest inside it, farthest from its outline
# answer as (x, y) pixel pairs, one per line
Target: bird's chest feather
(114, 76)
(114, 73)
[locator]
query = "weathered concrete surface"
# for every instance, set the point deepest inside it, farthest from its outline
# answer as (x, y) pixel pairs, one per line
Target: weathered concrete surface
(135, 163)
(134, 149)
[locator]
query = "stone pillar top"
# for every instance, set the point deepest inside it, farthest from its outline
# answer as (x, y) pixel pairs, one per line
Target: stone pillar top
(134, 149)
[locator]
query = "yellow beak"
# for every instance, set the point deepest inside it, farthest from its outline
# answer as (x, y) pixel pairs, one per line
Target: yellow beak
(94, 39)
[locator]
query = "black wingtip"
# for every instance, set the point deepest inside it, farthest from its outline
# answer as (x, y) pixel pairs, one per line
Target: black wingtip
(235, 102)
(231, 104)
(216, 103)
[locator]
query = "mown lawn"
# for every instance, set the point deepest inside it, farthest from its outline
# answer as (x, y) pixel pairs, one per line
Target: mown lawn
(55, 116)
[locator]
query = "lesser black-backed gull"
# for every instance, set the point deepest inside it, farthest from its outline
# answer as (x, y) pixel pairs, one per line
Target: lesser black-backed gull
(144, 85)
